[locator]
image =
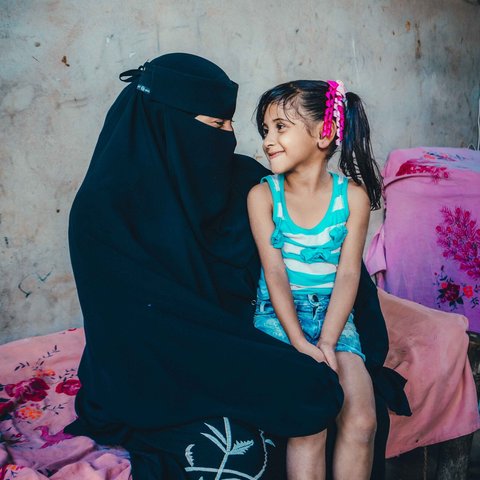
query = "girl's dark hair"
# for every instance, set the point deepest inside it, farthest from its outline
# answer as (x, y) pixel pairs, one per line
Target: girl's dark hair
(308, 98)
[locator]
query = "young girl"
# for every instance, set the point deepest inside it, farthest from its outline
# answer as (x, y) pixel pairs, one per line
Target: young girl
(309, 225)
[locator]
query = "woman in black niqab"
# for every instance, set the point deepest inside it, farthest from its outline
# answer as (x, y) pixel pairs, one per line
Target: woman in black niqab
(166, 271)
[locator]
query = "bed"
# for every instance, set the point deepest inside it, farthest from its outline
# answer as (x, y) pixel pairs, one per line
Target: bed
(38, 384)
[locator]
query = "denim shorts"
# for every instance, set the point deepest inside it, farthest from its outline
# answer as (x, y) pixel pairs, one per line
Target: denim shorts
(311, 309)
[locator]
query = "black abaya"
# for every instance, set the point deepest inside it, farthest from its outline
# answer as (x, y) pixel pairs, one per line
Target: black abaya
(166, 270)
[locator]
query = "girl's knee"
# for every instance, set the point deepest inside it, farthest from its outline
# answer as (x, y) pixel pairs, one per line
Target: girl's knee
(367, 425)
(360, 427)
(314, 442)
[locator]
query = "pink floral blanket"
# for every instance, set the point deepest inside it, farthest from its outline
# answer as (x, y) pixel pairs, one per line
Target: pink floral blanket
(428, 248)
(38, 384)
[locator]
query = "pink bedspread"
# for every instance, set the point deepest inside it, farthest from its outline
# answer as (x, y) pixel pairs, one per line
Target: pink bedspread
(429, 348)
(38, 387)
(428, 248)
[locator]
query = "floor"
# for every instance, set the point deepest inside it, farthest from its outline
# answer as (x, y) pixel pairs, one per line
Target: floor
(422, 465)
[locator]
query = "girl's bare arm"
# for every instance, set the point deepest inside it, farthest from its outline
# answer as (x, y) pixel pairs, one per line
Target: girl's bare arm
(348, 272)
(260, 207)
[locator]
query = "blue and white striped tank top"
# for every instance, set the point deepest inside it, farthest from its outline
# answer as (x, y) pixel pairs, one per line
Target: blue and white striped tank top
(311, 255)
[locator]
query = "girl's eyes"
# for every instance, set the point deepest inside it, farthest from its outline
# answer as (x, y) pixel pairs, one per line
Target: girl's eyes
(278, 126)
(219, 123)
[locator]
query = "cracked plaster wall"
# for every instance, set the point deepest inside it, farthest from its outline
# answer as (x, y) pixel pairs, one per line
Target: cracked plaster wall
(415, 63)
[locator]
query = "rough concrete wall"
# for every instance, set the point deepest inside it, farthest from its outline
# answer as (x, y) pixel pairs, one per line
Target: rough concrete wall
(415, 63)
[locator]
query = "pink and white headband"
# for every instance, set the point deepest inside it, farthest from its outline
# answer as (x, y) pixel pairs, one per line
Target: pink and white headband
(335, 110)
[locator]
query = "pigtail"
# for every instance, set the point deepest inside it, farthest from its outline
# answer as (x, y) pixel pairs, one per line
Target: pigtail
(356, 157)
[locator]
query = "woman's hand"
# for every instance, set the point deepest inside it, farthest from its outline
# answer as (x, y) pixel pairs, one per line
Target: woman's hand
(328, 351)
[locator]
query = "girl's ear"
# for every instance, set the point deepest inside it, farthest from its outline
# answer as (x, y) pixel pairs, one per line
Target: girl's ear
(324, 142)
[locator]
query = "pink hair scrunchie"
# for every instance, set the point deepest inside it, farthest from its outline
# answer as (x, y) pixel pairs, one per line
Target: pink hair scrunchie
(335, 110)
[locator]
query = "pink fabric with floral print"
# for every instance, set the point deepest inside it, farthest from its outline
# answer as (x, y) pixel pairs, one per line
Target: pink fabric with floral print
(38, 384)
(429, 348)
(428, 249)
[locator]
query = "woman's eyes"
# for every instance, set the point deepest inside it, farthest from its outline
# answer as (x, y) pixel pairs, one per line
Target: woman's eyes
(280, 126)
(214, 122)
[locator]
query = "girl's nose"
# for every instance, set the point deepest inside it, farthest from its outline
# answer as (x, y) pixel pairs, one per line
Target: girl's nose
(268, 141)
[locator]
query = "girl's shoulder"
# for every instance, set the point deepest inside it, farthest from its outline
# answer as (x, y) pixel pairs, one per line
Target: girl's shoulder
(260, 194)
(270, 186)
(357, 196)
(355, 189)
(274, 181)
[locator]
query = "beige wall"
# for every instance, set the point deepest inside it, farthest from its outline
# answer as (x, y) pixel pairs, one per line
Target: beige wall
(415, 63)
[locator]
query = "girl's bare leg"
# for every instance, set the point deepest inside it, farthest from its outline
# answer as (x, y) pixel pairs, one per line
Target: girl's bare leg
(353, 454)
(306, 457)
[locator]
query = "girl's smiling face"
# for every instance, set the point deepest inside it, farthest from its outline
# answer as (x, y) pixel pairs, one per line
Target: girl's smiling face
(287, 141)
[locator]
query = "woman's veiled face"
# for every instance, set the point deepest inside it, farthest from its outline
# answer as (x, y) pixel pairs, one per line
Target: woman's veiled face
(219, 123)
